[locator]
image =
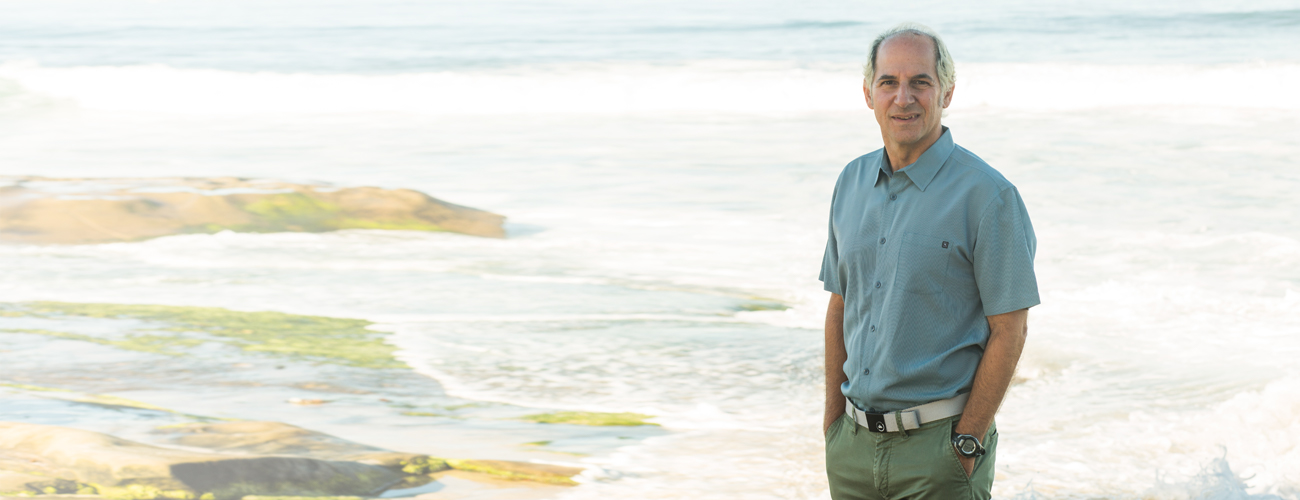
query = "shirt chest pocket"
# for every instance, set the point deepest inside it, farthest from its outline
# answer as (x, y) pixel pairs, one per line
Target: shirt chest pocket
(923, 263)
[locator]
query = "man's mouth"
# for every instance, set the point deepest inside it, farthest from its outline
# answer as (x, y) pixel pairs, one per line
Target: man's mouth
(906, 118)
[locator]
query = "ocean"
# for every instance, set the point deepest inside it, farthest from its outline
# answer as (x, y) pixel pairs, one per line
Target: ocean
(666, 169)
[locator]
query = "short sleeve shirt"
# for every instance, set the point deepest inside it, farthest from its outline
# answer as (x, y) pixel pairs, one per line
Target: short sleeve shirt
(921, 257)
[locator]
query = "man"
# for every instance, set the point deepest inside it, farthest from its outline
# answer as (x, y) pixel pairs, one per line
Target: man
(930, 268)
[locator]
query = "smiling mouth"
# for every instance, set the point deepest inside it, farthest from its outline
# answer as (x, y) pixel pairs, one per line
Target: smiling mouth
(906, 118)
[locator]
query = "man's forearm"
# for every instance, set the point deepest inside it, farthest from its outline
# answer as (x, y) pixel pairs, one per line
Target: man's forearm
(835, 356)
(993, 376)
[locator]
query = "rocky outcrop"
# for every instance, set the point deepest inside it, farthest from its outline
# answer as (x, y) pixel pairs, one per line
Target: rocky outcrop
(264, 438)
(245, 458)
(276, 438)
(118, 468)
(71, 211)
(20, 484)
(283, 439)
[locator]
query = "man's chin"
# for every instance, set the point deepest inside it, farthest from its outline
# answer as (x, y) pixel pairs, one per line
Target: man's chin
(904, 137)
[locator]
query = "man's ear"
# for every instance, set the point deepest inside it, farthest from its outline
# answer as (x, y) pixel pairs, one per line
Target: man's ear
(947, 96)
(866, 92)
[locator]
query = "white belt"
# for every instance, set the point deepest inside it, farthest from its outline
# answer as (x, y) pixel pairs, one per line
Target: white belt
(910, 418)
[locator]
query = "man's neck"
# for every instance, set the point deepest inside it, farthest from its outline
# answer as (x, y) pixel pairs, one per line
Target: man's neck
(903, 155)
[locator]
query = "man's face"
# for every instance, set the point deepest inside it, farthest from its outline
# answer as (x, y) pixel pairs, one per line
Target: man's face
(905, 94)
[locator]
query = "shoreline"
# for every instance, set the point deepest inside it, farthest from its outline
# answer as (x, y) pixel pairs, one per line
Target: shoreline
(141, 373)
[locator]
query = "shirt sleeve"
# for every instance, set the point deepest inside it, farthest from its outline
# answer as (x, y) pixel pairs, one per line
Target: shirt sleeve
(1004, 256)
(830, 275)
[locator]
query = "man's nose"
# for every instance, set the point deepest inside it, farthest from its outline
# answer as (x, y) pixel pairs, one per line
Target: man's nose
(904, 96)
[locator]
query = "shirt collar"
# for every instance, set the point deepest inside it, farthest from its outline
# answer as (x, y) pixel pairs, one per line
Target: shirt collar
(925, 168)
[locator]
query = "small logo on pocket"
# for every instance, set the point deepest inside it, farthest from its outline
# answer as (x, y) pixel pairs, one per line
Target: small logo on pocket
(945, 244)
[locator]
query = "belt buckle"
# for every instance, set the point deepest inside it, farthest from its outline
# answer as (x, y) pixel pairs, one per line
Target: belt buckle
(875, 422)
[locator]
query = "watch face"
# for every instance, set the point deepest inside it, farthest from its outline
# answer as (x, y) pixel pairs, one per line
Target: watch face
(967, 446)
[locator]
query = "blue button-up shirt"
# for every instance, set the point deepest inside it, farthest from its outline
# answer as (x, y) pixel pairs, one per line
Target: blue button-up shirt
(921, 257)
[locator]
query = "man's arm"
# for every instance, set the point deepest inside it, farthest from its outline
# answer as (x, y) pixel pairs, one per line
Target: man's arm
(1007, 333)
(835, 356)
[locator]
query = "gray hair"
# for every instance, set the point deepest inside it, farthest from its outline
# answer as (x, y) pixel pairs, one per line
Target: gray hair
(942, 59)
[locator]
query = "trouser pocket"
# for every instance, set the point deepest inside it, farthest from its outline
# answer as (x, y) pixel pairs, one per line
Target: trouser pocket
(980, 480)
(850, 461)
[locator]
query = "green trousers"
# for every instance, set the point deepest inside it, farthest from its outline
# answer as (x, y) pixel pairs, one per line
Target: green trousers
(919, 464)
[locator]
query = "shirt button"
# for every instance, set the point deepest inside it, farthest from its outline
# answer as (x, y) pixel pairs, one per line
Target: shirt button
(877, 284)
(873, 328)
(893, 197)
(882, 241)
(866, 371)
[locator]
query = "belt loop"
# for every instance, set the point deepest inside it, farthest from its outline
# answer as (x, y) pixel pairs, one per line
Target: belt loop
(898, 417)
(853, 415)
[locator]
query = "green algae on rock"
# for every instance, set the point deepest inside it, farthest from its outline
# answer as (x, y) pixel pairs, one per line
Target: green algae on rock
(265, 497)
(145, 491)
(336, 340)
(590, 418)
(519, 471)
(423, 465)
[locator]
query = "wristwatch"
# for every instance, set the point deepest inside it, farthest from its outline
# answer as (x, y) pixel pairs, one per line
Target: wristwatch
(967, 445)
